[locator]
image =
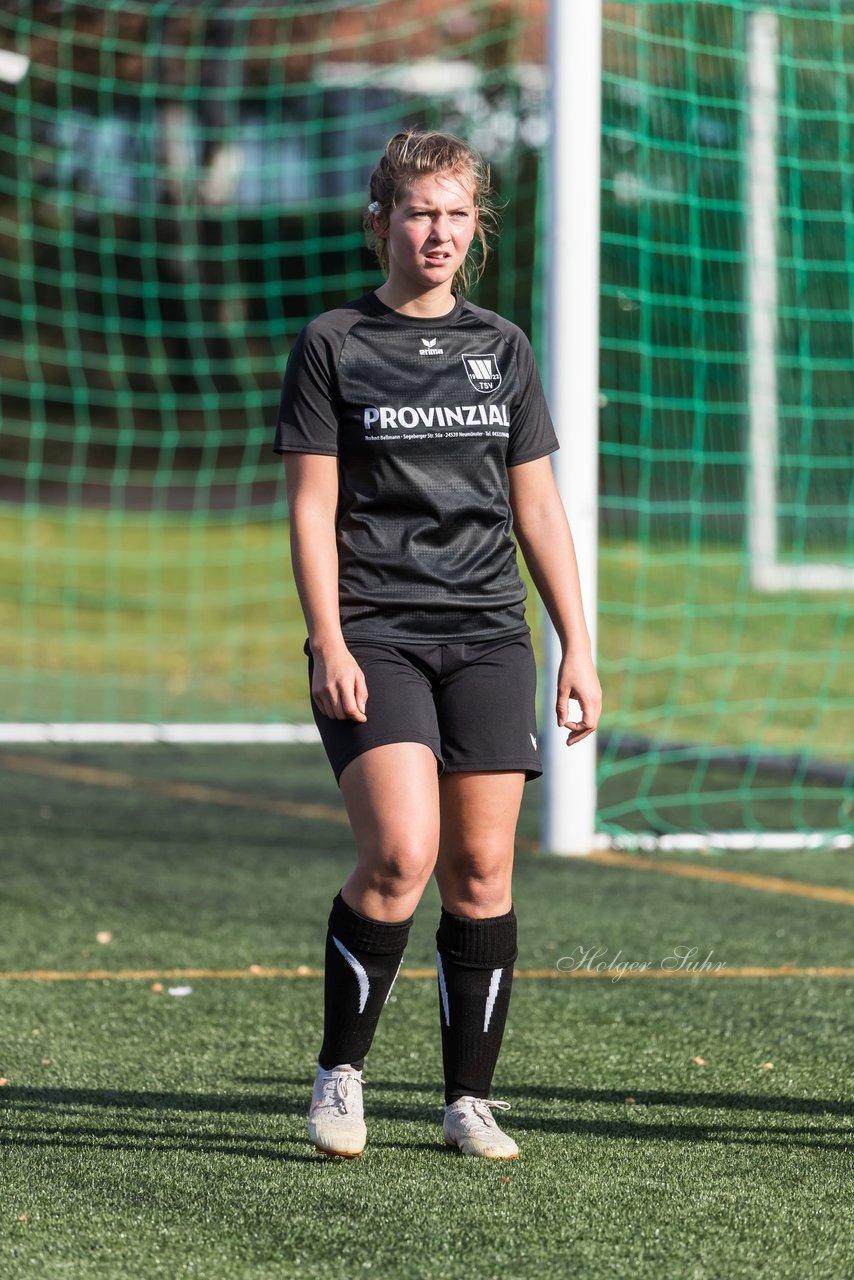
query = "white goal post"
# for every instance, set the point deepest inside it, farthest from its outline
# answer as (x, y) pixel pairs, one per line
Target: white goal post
(575, 51)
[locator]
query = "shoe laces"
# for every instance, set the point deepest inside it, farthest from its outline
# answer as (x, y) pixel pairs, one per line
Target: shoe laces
(478, 1113)
(336, 1090)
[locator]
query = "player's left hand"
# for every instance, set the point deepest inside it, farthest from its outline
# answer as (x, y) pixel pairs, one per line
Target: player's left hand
(577, 679)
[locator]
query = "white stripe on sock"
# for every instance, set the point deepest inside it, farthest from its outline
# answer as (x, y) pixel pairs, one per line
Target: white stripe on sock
(443, 990)
(494, 984)
(393, 981)
(362, 977)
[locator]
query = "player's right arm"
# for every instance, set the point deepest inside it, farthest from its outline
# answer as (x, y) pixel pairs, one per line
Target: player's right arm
(338, 684)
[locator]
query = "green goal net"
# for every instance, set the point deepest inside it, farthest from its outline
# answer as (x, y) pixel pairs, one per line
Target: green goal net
(727, 375)
(181, 189)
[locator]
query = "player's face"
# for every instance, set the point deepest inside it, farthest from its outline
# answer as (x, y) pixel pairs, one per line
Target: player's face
(429, 232)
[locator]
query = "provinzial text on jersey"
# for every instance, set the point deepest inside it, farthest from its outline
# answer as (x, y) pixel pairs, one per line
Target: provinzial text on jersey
(464, 415)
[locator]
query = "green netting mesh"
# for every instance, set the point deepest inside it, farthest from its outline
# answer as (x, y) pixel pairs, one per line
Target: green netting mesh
(181, 189)
(734, 707)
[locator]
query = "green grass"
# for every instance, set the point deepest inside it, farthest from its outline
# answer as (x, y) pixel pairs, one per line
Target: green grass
(689, 652)
(165, 1136)
(112, 616)
(117, 616)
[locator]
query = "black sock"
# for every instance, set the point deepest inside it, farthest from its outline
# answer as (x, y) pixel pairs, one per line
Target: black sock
(363, 958)
(475, 970)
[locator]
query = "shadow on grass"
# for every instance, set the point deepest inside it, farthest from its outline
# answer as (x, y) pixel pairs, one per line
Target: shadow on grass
(161, 1136)
(611, 1097)
(74, 1138)
(74, 1104)
(660, 1129)
(634, 1124)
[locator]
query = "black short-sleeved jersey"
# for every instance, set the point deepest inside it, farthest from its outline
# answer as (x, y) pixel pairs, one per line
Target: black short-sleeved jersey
(424, 417)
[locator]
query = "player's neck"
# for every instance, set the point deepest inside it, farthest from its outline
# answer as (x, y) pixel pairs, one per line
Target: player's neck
(430, 305)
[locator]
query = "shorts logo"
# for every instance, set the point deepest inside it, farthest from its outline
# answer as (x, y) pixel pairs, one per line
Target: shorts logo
(484, 374)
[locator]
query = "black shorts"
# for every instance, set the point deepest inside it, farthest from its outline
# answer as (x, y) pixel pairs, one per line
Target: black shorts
(472, 703)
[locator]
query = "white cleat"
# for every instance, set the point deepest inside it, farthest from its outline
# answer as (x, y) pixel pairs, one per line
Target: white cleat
(471, 1126)
(335, 1120)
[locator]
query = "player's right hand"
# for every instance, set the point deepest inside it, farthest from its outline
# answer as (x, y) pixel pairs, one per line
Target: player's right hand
(338, 685)
(577, 679)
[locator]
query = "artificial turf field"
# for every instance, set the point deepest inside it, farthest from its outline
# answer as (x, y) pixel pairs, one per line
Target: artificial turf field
(147, 1134)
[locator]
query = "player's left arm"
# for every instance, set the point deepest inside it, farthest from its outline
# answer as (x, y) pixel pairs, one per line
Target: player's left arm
(543, 533)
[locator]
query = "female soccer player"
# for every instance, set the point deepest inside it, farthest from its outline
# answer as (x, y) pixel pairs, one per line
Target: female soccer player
(416, 436)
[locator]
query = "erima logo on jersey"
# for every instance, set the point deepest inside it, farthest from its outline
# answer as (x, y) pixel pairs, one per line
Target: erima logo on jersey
(463, 415)
(484, 374)
(429, 348)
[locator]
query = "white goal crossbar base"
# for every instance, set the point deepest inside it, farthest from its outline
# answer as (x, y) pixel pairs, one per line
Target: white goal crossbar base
(144, 734)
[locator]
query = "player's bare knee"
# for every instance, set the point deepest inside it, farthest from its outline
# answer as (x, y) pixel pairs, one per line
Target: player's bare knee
(478, 889)
(401, 869)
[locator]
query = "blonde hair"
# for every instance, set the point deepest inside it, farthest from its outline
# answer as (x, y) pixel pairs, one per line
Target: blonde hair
(414, 154)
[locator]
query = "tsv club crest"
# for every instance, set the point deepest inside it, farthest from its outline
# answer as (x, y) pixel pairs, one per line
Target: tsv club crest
(484, 374)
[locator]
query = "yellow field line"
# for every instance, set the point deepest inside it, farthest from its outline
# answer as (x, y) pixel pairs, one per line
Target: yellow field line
(305, 971)
(329, 813)
(770, 884)
(161, 786)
